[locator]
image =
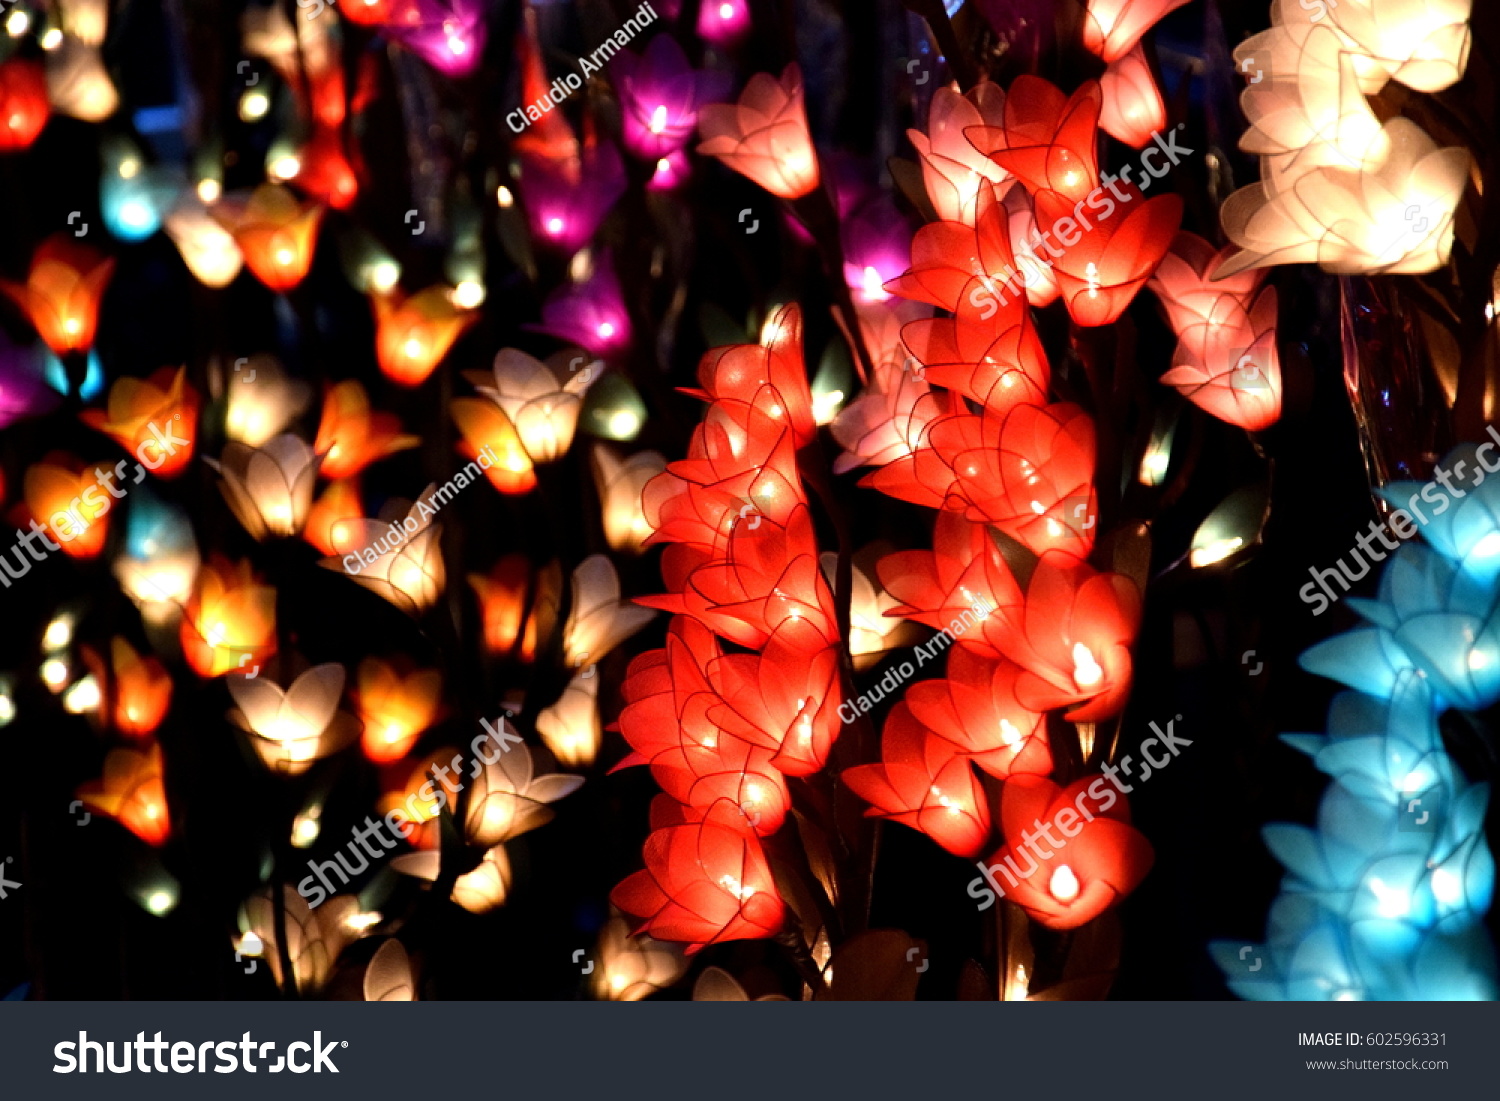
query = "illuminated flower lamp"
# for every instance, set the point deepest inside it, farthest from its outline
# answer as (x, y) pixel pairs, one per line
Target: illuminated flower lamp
(877, 244)
(872, 633)
(166, 400)
(66, 497)
(764, 135)
(1132, 110)
(269, 489)
(447, 34)
(660, 95)
(549, 134)
(1100, 274)
(230, 620)
(485, 887)
(389, 977)
(262, 400)
(351, 435)
(324, 171)
(1468, 532)
(329, 525)
(24, 109)
(315, 936)
(208, 249)
(503, 598)
(923, 782)
(141, 690)
(1311, 112)
(85, 20)
(565, 201)
(599, 619)
(1398, 218)
(619, 482)
(159, 564)
(723, 23)
(24, 391)
(672, 171)
(590, 313)
(1049, 140)
(1100, 861)
(542, 400)
(507, 800)
(631, 968)
(412, 335)
(1233, 371)
(131, 792)
(293, 728)
(570, 727)
(486, 429)
(400, 557)
(276, 233)
(367, 13)
(62, 291)
(975, 709)
(395, 708)
(1423, 44)
(1111, 28)
(704, 882)
(78, 83)
(953, 171)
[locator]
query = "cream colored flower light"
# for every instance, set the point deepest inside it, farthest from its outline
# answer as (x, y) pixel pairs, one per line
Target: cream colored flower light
(269, 488)
(542, 400)
(292, 728)
(1398, 218)
(208, 249)
(1423, 44)
(620, 482)
(599, 620)
(506, 800)
(570, 727)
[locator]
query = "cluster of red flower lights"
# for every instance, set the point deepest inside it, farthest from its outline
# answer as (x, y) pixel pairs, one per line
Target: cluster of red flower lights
(970, 432)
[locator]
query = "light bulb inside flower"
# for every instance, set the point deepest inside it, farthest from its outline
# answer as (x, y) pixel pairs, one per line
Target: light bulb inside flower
(1086, 671)
(1063, 885)
(1091, 273)
(1009, 734)
(658, 121)
(1487, 547)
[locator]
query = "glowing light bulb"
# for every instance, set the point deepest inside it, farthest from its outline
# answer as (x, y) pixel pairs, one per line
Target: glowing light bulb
(59, 633)
(413, 348)
(871, 285)
(624, 424)
(54, 673)
(129, 167)
(72, 325)
(286, 168)
(606, 330)
(1063, 885)
(1009, 734)
(554, 226)
(284, 256)
(1091, 273)
(658, 121)
(735, 887)
(52, 39)
(7, 709)
(1487, 547)
(83, 697)
(1391, 902)
(504, 197)
(160, 902)
(383, 274)
(1478, 659)
(18, 23)
(468, 294)
(1086, 671)
(254, 105)
(209, 190)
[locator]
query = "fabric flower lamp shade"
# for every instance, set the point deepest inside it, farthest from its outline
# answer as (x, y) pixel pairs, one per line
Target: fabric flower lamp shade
(131, 792)
(764, 135)
(449, 35)
(276, 234)
(136, 406)
(229, 621)
(704, 882)
(395, 708)
(412, 335)
(1132, 107)
(1111, 28)
(269, 488)
(1101, 858)
(207, 248)
(24, 109)
(953, 171)
(62, 291)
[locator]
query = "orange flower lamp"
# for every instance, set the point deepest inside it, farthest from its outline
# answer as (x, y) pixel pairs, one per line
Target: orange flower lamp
(395, 708)
(62, 291)
(412, 335)
(131, 792)
(65, 496)
(276, 233)
(24, 109)
(230, 622)
(351, 435)
(165, 400)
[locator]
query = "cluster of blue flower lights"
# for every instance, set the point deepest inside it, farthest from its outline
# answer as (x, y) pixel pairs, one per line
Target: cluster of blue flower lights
(1385, 898)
